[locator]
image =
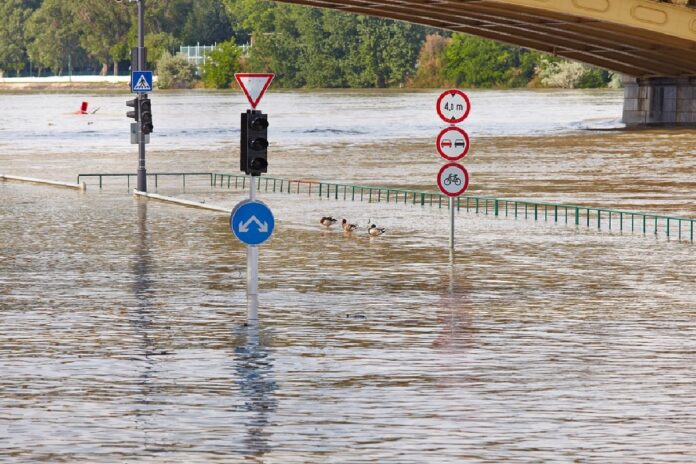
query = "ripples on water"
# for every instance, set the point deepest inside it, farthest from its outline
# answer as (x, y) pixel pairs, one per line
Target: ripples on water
(122, 335)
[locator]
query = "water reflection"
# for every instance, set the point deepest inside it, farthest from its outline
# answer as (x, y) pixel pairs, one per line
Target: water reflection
(253, 365)
(456, 310)
(140, 318)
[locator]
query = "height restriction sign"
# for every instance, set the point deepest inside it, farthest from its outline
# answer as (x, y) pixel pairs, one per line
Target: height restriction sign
(453, 106)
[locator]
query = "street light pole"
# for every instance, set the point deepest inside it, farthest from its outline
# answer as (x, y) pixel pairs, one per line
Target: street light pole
(142, 172)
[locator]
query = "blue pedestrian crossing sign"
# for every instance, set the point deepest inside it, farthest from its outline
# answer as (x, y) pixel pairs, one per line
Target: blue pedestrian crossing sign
(252, 222)
(141, 81)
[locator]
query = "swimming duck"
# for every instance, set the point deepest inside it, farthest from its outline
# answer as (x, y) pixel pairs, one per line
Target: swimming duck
(328, 221)
(348, 227)
(375, 231)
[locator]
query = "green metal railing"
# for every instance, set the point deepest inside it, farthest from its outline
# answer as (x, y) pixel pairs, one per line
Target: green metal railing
(156, 175)
(601, 218)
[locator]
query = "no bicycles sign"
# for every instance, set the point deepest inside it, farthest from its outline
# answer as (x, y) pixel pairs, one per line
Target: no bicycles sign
(453, 179)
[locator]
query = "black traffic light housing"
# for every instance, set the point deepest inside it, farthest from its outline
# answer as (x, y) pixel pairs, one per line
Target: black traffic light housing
(135, 113)
(146, 114)
(254, 143)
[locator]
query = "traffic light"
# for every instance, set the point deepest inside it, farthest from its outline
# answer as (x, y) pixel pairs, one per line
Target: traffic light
(133, 114)
(146, 115)
(254, 143)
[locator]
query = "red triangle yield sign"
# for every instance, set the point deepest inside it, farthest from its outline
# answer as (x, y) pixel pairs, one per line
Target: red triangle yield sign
(254, 85)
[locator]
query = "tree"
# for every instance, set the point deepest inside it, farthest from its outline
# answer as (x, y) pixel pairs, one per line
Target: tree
(220, 65)
(157, 45)
(14, 14)
(206, 23)
(103, 28)
(52, 36)
(429, 72)
(476, 62)
(175, 72)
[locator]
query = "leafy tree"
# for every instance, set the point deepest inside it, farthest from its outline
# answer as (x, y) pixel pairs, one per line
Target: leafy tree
(103, 30)
(14, 14)
(476, 62)
(52, 36)
(221, 64)
(157, 45)
(429, 72)
(206, 23)
(175, 72)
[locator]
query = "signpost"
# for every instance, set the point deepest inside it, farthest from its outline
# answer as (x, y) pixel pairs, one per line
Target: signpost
(452, 144)
(251, 221)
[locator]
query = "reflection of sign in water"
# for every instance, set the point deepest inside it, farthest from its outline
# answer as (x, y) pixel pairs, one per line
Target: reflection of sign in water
(452, 143)
(257, 387)
(252, 222)
(453, 179)
(453, 106)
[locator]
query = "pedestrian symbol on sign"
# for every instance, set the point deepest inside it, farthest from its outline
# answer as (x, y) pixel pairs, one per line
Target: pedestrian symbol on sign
(141, 81)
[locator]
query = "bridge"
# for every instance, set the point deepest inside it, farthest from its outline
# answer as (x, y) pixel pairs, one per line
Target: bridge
(652, 43)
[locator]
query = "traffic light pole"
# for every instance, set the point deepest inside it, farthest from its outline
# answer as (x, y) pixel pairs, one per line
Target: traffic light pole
(142, 172)
(252, 266)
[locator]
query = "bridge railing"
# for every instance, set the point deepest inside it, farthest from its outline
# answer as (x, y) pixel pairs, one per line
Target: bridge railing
(600, 218)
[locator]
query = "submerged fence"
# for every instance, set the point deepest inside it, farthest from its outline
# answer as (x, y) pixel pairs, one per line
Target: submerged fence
(600, 218)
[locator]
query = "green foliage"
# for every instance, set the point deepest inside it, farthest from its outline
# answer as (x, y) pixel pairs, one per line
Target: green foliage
(207, 23)
(220, 65)
(175, 72)
(51, 40)
(157, 45)
(476, 62)
(305, 47)
(593, 78)
(14, 14)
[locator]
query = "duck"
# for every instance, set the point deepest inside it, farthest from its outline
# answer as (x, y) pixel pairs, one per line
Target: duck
(375, 231)
(328, 221)
(348, 227)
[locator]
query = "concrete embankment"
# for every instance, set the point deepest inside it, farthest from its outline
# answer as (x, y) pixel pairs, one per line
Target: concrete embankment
(81, 186)
(178, 201)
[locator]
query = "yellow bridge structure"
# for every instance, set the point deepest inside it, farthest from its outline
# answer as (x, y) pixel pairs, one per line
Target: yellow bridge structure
(652, 43)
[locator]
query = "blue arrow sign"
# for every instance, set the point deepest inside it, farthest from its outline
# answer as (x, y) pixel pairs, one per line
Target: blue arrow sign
(141, 81)
(252, 222)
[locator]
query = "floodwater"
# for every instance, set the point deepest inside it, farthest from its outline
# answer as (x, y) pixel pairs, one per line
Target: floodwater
(123, 334)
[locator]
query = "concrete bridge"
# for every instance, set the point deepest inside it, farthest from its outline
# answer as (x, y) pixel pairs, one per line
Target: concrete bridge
(652, 43)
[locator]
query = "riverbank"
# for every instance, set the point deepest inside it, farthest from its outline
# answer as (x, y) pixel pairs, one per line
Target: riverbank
(60, 83)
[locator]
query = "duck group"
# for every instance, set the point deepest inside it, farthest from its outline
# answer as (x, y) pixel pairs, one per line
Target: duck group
(372, 229)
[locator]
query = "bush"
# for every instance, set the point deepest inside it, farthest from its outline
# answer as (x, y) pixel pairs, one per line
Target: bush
(221, 64)
(175, 72)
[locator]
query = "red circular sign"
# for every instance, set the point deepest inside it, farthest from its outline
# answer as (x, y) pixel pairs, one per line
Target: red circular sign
(453, 179)
(453, 106)
(452, 143)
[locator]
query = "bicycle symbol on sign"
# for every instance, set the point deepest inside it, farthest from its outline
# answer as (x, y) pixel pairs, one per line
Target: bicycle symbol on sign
(452, 178)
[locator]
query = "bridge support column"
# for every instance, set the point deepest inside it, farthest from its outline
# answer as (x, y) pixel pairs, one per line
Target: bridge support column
(659, 101)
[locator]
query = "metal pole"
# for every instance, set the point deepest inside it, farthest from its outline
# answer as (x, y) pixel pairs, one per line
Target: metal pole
(451, 211)
(252, 265)
(142, 173)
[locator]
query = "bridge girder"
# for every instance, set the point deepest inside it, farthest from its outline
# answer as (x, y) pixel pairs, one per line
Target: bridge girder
(640, 38)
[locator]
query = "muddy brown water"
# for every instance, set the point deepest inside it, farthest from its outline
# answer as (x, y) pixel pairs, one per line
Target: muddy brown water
(122, 322)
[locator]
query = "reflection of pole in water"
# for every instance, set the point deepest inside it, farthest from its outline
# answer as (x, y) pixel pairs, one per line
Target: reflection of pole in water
(456, 309)
(140, 317)
(254, 369)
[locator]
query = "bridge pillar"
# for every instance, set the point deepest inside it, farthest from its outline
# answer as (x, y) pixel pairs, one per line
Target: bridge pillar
(659, 101)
